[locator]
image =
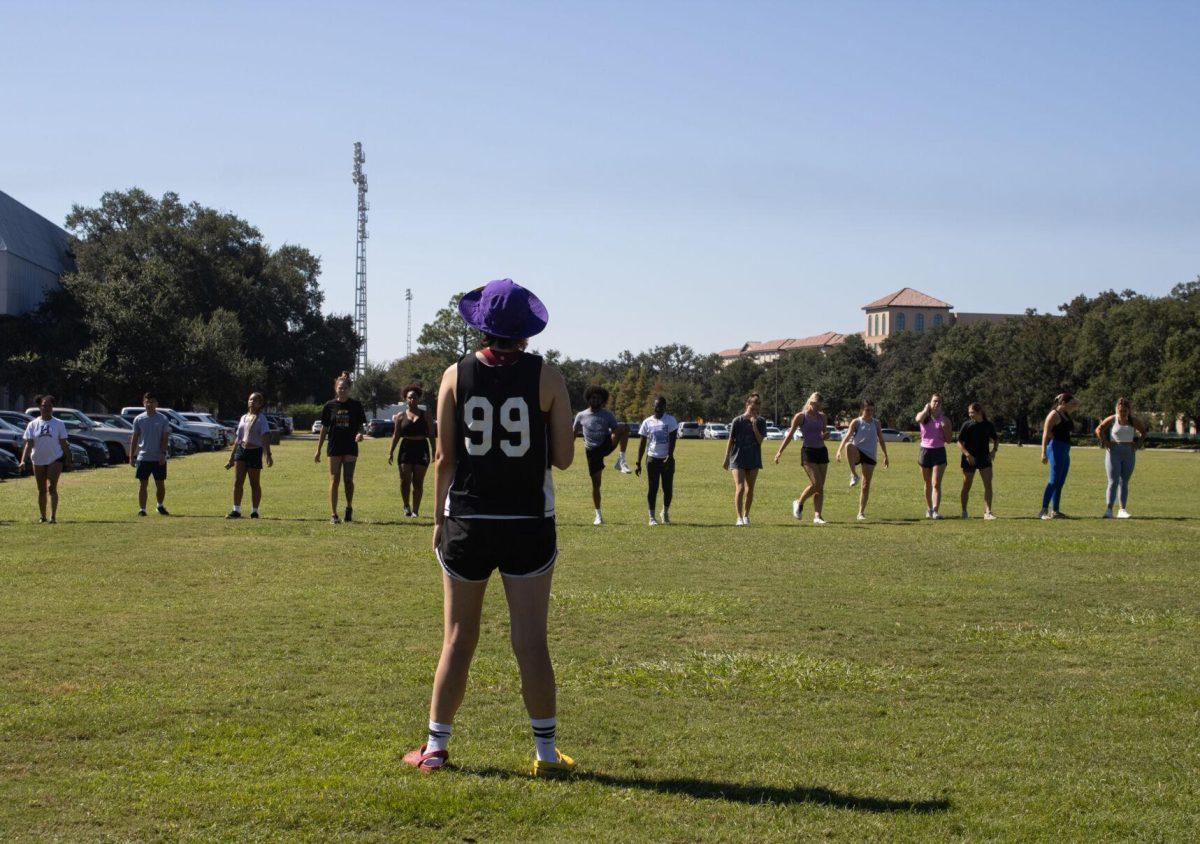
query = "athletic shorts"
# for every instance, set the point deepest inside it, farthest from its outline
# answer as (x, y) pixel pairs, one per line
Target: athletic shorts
(343, 450)
(414, 452)
(252, 457)
(930, 457)
(815, 456)
(150, 469)
(595, 456)
(981, 462)
(471, 549)
(866, 459)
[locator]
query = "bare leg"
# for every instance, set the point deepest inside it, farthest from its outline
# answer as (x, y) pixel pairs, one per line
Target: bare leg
(927, 474)
(255, 487)
(418, 487)
(52, 473)
(239, 482)
(160, 491)
(852, 458)
(739, 490)
(142, 489)
(528, 604)
(596, 489)
(986, 475)
(335, 479)
(461, 606)
(819, 472)
(406, 485)
(751, 479)
(348, 465)
(864, 492)
(811, 489)
(938, 472)
(40, 474)
(621, 440)
(968, 479)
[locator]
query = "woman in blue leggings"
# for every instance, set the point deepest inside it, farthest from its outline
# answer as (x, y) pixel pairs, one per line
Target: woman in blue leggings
(1056, 450)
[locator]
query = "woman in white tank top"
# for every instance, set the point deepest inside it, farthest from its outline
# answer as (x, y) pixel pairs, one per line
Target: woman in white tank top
(861, 443)
(1119, 435)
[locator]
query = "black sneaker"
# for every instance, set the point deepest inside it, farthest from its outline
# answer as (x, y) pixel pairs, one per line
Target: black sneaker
(162, 511)
(334, 520)
(349, 517)
(233, 514)
(53, 520)
(254, 514)
(141, 512)
(41, 520)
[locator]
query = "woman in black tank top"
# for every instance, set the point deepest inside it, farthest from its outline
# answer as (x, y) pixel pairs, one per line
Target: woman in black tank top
(1056, 451)
(413, 432)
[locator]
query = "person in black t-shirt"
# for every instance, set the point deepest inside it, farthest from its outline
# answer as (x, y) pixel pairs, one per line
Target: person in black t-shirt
(978, 442)
(342, 423)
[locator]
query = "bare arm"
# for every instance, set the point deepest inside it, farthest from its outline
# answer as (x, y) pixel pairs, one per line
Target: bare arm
(26, 452)
(923, 416)
(68, 458)
(1140, 427)
(446, 460)
(395, 437)
(882, 444)
(133, 446)
(729, 446)
(791, 433)
(556, 403)
(1102, 429)
(846, 439)
(1046, 431)
(641, 454)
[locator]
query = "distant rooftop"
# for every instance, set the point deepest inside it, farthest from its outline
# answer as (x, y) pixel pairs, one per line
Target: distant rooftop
(907, 297)
(786, 344)
(30, 236)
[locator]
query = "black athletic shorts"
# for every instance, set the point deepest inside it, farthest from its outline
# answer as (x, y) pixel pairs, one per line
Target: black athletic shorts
(471, 549)
(150, 469)
(930, 457)
(817, 455)
(984, 462)
(414, 452)
(595, 456)
(252, 457)
(343, 450)
(866, 459)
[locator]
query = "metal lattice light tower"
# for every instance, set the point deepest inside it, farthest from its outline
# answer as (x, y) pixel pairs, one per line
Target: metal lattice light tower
(408, 340)
(360, 260)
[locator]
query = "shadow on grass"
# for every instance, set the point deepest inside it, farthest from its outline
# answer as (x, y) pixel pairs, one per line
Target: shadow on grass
(737, 793)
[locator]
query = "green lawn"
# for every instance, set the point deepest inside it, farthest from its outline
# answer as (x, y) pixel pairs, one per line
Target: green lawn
(189, 677)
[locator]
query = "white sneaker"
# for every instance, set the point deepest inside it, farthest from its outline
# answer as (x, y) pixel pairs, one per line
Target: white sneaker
(599, 520)
(797, 508)
(652, 522)
(1107, 513)
(1123, 514)
(739, 522)
(622, 467)
(817, 520)
(989, 516)
(745, 520)
(1046, 516)
(928, 513)
(854, 480)
(862, 517)
(936, 516)
(665, 516)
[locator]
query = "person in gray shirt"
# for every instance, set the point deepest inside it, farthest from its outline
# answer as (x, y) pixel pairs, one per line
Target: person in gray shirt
(148, 453)
(602, 434)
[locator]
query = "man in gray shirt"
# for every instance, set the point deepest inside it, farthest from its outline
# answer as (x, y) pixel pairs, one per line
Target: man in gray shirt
(148, 452)
(602, 434)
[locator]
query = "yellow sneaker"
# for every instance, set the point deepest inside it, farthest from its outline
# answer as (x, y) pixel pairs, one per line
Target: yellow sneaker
(564, 767)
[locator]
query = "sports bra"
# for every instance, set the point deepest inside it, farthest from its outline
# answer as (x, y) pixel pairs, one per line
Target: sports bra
(1062, 429)
(1122, 433)
(418, 427)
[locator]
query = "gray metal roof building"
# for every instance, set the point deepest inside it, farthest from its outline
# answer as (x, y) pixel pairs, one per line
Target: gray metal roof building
(33, 254)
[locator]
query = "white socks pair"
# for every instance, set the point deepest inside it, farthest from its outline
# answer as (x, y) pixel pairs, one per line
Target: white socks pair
(544, 734)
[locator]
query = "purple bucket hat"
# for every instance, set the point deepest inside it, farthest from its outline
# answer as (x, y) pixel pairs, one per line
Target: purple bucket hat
(503, 308)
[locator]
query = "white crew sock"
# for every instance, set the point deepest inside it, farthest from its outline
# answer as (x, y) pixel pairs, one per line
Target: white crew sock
(439, 736)
(237, 508)
(544, 731)
(621, 454)
(598, 513)
(254, 510)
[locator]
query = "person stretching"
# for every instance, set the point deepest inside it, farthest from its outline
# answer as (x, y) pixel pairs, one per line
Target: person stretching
(978, 442)
(935, 428)
(863, 438)
(1056, 450)
(602, 434)
(1120, 436)
(743, 455)
(658, 433)
(814, 457)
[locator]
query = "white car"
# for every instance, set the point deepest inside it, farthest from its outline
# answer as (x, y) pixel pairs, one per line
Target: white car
(316, 428)
(209, 429)
(207, 419)
(891, 435)
(774, 433)
(114, 437)
(716, 431)
(690, 431)
(835, 433)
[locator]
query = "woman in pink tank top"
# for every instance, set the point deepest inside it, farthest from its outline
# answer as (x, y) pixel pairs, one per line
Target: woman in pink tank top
(932, 456)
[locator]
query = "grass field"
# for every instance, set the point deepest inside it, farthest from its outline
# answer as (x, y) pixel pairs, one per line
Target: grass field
(188, 677)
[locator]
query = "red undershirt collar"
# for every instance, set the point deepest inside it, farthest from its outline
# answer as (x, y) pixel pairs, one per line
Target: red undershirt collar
(494, 358)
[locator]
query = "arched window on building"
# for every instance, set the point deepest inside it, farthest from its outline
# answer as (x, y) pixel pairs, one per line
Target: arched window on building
(900, 319)
(920, 322)
(937, 320)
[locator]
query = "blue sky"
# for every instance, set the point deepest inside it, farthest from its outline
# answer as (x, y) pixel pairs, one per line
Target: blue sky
(703, 173)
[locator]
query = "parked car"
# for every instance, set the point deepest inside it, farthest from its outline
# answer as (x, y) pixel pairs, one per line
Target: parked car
(12, 438)
(716, 431)
(634, 429)
(891, 435)
(774, 433)
(835, 433)
(197, 422)
(15, 418)
(115, 439)
(381, 427)
(79, 456)
(283, 423)
(316, 427)
(9, 467)
(691, 431)
(113, 420)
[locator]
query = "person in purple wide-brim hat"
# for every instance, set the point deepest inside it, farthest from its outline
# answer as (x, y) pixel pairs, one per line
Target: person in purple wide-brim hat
(505, 309)
(504, 423)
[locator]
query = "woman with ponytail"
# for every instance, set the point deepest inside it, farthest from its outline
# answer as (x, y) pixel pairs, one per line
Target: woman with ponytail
(342, 421)
(251, 444)
(978, 442)
(1056, 450)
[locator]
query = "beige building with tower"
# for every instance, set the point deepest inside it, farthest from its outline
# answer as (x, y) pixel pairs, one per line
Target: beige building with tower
(905, 310)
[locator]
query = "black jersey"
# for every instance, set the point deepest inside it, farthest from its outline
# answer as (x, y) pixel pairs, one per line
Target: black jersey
(503, 466)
